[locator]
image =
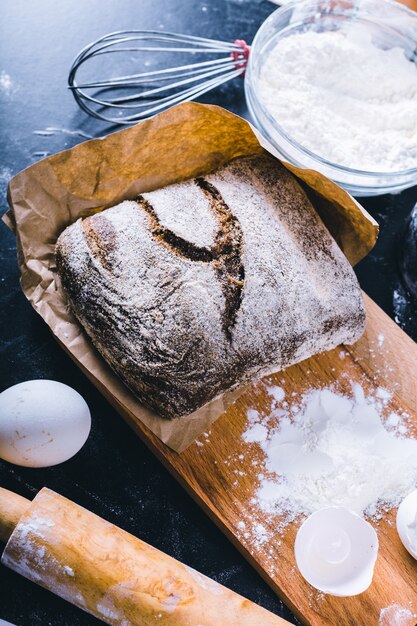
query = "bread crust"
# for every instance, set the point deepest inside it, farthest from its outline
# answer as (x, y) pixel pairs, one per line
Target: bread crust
(204, 285)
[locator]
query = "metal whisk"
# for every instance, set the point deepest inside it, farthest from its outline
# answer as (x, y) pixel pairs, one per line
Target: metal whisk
(139, 95)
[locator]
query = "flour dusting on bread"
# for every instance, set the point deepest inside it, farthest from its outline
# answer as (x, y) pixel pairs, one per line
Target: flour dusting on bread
(255, 283)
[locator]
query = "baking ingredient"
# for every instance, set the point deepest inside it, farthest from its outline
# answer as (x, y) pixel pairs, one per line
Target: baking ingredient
(344, 98)
(396, 615)
(42, 423)
(5, 82)
(336, 551)
(407, 523)
(182, 299)
(334, 450)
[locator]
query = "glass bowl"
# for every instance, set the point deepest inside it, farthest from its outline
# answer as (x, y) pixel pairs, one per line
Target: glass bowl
(390, 24)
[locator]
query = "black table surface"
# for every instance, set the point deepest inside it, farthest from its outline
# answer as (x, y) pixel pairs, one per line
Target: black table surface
(115, 475)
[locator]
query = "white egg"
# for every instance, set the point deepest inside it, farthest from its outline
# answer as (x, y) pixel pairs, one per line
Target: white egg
(407, 523)
(42, 423)
(336, 551)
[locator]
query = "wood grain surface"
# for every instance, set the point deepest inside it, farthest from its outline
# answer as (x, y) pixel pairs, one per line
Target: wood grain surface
(411, 4)
(220, 471)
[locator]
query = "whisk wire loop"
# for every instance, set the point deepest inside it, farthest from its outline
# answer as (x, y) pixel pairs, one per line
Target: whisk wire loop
(155, 89)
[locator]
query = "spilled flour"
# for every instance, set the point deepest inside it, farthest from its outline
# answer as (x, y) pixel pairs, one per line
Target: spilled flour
(396, 615)
(333, 450)
(5, 82)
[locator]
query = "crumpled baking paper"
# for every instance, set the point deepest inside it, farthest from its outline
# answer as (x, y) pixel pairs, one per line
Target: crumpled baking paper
(183, 142)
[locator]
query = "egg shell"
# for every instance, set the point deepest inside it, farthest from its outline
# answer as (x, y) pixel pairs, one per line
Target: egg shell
(42, 423)
(407, 523)
(336, 550)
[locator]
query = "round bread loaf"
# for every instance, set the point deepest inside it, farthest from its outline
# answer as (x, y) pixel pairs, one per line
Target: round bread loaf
(210, 283)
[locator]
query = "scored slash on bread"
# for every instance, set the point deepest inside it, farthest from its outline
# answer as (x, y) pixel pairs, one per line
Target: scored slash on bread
(204, 285)
(225, 254)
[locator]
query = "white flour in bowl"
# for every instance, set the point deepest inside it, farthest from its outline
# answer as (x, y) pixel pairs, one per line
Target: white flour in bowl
(344, 98)
(334, 450)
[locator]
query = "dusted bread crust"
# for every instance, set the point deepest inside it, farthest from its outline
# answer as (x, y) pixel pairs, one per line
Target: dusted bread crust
(204, 285)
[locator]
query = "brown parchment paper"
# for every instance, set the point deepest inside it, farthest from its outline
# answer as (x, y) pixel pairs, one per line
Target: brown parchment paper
(186, 141)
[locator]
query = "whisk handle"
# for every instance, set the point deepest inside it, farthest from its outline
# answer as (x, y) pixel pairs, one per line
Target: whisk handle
(241, 56)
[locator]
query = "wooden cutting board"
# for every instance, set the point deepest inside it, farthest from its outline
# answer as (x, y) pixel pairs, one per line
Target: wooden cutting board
(220, 471)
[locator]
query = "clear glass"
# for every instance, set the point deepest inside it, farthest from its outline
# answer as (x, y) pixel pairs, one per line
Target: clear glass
(391, 24)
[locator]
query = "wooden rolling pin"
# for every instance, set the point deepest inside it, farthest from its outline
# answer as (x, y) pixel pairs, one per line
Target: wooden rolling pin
(109, 573)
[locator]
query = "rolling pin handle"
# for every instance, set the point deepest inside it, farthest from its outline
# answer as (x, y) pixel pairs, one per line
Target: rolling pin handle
(12, 507)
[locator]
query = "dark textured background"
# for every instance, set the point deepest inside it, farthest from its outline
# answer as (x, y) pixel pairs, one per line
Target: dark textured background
(114, 475)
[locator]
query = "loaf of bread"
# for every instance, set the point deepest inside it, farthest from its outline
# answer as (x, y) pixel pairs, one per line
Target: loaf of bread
(193, 289)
